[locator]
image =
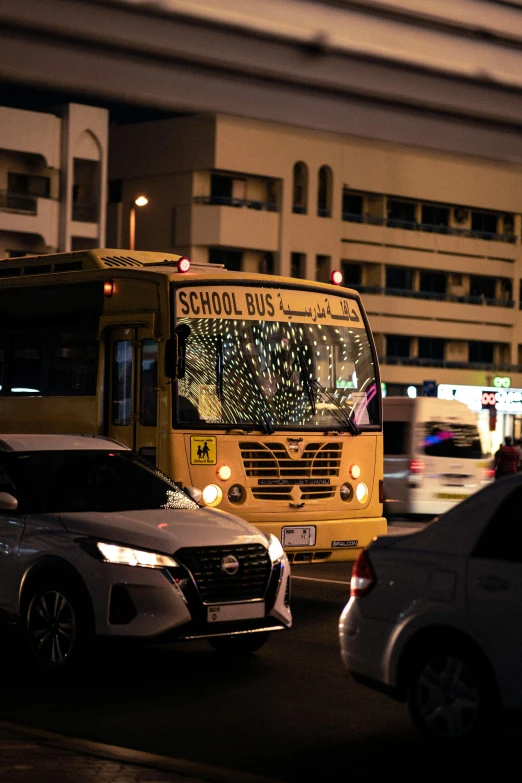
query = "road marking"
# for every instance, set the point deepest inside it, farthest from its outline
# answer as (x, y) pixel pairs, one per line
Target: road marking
(314, 579)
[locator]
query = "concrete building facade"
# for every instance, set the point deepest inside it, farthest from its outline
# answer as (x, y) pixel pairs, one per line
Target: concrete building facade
(53, 179)
(431, 240)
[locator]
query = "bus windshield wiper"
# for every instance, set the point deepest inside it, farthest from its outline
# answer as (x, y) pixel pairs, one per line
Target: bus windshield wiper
(219, 368)
(308, 382)
(264, 424)
(339, 412)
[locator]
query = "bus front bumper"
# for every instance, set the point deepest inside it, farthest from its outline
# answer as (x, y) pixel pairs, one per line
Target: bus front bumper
(332, 540)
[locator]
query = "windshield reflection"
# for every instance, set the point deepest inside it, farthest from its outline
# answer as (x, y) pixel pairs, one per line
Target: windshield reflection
(277, 374)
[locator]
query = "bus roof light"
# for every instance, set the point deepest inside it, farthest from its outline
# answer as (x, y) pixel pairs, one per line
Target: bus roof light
(183, 264)
(336, 278)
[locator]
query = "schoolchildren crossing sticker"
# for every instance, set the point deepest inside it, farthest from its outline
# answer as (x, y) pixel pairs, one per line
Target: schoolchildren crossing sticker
(203, 450)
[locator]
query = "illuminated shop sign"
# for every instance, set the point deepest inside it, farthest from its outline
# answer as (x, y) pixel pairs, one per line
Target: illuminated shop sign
(502, 383)
(478, 398)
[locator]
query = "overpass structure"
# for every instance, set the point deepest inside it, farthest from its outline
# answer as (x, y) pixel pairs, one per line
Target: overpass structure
(444, 75)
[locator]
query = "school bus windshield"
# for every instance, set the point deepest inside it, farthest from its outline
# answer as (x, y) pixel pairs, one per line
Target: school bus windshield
(277, 374)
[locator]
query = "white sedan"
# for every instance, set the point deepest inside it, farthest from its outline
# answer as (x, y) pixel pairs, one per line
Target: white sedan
(95, 542)
(434, 617)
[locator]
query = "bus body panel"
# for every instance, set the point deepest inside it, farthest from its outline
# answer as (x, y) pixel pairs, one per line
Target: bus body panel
(136, 319)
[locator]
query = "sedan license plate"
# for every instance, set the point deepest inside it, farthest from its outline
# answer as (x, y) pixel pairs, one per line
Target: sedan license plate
(298, 536)
(223, 613)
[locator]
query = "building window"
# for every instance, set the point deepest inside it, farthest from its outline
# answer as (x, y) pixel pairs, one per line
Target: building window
(480, 352)
(266, 264)
(484, 224)
(28, 185)
(324, 192)
(431, 348)
(432, 282)
(398, 346)
(482, 287)
(322, 269)
(353, 207)
(298, 266)
(352, 274)
(400, 278)
(435, 216)
(300, 188)
(85, 206)
(232, 259)
(401, 214)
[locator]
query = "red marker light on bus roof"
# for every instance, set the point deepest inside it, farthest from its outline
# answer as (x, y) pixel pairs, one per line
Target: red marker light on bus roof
(336, 278)
(108, 288)
(183, 264)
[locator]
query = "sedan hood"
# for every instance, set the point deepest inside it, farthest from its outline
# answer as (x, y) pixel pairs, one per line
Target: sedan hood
(164, 530)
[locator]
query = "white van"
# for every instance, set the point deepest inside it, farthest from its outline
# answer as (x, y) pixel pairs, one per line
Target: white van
(433, 455)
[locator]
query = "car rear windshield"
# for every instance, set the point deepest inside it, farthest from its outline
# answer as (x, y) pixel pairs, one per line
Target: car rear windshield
(457, 440)
(71, 481)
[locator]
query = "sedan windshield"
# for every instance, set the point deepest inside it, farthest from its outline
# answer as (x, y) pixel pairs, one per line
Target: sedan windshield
(69, 481)
(277, 374)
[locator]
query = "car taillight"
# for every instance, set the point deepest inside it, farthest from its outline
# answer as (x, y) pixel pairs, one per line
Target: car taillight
(489, 473)
(363, 577)
(416, 466)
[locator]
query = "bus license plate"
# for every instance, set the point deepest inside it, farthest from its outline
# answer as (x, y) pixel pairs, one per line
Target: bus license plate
(298, 536)
(226, 612)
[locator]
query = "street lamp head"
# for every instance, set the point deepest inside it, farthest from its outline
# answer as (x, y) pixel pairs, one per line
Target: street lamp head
(141, 201)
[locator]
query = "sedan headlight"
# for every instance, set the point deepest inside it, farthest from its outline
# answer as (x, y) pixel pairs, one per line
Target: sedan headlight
(124, 555)
(275, 550)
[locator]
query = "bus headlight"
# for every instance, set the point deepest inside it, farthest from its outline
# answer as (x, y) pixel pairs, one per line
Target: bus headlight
(236, 493)
(224, 472)
(212, 495)
(346, 492)
(361, 492)
(355, 471)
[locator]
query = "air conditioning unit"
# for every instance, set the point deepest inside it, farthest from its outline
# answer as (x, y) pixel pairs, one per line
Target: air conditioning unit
(460, 214)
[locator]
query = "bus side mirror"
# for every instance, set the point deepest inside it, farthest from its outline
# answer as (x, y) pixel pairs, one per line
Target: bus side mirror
(171, 358)
(175, 351)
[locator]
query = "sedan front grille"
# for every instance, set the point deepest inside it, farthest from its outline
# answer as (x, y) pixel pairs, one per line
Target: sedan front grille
(214, 584)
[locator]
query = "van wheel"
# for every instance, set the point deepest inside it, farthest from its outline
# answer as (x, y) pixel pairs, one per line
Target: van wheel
(56, 625)
(451, 697)
(242, 644)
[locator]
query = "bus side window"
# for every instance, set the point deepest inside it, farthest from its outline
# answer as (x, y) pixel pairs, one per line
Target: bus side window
(121, 382)
(149, 383)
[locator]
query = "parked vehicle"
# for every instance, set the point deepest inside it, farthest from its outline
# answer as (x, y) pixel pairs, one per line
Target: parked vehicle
(433, 456)
(96, 542)
(434, 617)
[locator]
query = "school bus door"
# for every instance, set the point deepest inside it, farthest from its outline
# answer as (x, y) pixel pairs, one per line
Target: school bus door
(133, 398)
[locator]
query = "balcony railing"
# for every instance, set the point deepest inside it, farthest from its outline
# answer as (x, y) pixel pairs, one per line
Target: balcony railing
(229, 201)
(416, 361)
(13, 202)
(408, 292)
(409, 225)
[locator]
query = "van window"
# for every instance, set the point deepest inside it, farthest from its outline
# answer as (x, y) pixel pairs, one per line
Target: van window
(451, 440)
(395, 437)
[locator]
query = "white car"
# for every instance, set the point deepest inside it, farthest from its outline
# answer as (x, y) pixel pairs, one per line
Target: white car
(434, 617)
(95, 542)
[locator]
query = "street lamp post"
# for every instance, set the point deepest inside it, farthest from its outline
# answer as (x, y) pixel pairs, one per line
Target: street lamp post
(138, 202)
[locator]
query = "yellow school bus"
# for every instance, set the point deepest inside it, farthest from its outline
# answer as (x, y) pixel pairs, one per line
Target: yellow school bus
(262, 391)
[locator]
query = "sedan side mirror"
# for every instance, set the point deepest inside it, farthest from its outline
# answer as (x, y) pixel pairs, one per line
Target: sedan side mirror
(194, 493)
(8, 502)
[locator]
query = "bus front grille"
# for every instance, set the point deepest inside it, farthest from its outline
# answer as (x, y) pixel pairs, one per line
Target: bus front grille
(318, 460)
(214, 584)
(272, 462)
